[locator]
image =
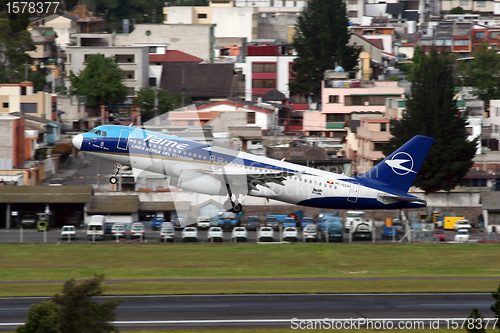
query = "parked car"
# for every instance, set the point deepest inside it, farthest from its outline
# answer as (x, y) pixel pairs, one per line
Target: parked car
(253, 223)
(310, 233)
(215, 234)
(462, 235)
(462, 224)
(239, 234)
(306, 221)
(118, 230)
(265, 234)
(68, 232)
(189, 234)
(439, 233)
(290, 234)
(137, 230)
(203, 222)
(156, 222)
(167, 232)
(56, 182)
(28, 221)
(272, 221)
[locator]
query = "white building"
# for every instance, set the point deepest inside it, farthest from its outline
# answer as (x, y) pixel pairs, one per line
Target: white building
(133, 60)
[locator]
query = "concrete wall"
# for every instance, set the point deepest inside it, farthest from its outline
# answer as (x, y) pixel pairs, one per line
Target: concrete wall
(275, 27)
(194, 39)
(223, 120)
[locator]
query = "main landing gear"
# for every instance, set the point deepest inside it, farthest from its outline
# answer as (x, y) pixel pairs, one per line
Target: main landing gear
(229, 204)
(114, 178)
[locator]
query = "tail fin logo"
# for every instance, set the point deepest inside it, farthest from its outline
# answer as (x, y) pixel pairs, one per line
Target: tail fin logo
(397, 161)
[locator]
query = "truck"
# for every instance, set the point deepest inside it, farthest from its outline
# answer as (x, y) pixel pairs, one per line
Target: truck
(362, 228)
(351, 215)
(332, 228)
(229, 220)
(449, 222)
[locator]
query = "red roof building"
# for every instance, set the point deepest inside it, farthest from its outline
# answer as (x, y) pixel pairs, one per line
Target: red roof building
(173, 56)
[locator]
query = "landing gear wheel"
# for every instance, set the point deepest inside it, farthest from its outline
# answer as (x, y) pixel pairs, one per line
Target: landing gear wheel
(113, 180)
(237, 208)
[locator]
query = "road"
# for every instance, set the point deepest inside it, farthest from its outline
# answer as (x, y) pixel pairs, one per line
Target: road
(225, 311)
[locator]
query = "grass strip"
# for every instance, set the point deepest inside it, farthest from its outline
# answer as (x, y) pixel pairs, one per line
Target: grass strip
(147, 262)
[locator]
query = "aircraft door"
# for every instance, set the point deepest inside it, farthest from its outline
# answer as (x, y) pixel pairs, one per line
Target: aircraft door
(123, 139)
(353, 192)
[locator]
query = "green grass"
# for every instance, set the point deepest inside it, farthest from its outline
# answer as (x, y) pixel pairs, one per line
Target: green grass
(60, 262)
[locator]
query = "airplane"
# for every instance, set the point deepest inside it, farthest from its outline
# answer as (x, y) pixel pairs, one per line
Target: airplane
(212, 170)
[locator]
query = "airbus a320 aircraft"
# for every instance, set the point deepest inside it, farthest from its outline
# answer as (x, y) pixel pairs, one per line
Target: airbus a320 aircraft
(212, 170)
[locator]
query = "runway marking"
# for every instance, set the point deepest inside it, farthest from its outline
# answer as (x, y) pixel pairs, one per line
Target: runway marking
(256, 321)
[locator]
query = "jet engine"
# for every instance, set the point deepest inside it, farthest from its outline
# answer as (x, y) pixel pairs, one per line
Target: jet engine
(197, 182)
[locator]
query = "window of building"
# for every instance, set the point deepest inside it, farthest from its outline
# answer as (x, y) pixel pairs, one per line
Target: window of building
(461, 42)
(333, 99)
(263, 67)
(202, 15)
(337, 117)
(464, 2)
(468, 130)
(152, 82)
(5, 105)
(271, 3)
(263, 83)
(299, 99)
(383, 127)
(23, 91)
(494, 34)
(29, 107)
(284, 3)
(479, 34)
(250, 117)
(353, 13)
(481, 3)
(152, 49)
(377, 146)
(353, 2)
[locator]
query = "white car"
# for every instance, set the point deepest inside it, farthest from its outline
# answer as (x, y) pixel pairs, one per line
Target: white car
(462, 235)
(167, 233)
(265, 234)
(462, 224)
(215, 234)
(68, 231)
(239, 234)
(118, 230)
(137, 230)
(290, 234)
(310, 233)
(189, 234)
(203, 222)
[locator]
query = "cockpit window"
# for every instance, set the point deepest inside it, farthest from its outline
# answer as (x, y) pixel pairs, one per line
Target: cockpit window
(98, 132)
(92, 131)
(103, 133)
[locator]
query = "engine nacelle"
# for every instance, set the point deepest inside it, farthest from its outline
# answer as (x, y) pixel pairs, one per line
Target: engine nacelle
(197, 182)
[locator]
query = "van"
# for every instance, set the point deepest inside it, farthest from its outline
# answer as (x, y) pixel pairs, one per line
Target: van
(95, 228)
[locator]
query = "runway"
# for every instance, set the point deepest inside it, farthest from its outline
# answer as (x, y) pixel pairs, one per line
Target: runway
(238, 311)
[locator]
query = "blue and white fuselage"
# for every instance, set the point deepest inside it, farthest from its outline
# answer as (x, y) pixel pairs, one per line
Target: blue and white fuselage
(213, 170)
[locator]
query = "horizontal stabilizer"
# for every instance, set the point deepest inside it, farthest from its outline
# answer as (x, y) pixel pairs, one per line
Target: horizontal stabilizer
(390, 199)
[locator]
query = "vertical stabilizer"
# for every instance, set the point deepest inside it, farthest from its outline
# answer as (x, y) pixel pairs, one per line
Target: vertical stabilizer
(398, 170)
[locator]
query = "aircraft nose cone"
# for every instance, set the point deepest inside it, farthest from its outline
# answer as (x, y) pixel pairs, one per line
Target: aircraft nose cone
(77, 141)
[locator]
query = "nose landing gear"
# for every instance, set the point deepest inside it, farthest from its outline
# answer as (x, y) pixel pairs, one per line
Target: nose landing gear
(114, 178)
